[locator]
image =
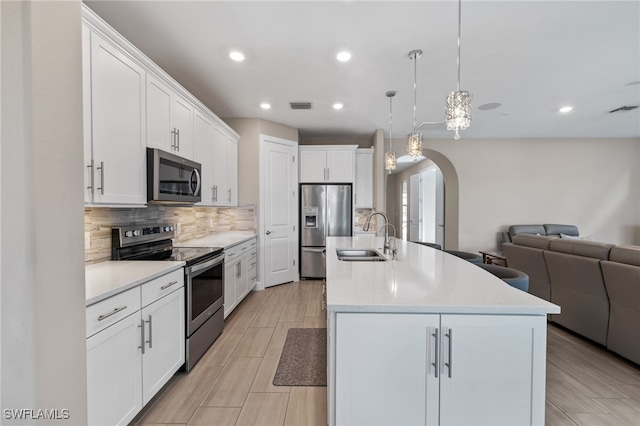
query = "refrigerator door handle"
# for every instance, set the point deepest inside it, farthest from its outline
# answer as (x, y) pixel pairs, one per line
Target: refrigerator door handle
(315, 250)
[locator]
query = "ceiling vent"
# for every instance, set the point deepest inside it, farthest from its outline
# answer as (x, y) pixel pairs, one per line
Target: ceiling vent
(623, 109)
(432, 125)
(300, 105)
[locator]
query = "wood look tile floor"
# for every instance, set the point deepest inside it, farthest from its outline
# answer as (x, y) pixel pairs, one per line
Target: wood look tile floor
(232, 383)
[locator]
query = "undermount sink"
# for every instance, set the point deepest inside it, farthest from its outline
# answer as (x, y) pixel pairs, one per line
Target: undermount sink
(359, 255)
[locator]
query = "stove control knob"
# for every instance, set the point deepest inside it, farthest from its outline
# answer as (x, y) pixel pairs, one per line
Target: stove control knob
(128, 234)
(136, 232)
(171, 228)
(167, 228)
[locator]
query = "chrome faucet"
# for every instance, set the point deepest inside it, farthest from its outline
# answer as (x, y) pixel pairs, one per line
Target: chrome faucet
(365, 227)
(394, 250)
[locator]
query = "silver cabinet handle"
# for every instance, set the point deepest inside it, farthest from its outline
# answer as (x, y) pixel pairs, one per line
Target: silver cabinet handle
(115, 311)
(150, 341)
(328, 171)
(436, 364)
(141, 326)
(91, 177)
(166, 286)
(238, 266)
(215, 193)
(449, 364)
(212, 194)
(178, 139)
(173, 138)
(229, 196)
(101, 168)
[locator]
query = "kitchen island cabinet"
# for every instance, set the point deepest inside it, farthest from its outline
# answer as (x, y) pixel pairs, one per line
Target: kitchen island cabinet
(431, 339)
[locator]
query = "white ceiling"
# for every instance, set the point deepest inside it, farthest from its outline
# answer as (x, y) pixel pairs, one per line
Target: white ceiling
(531, 56)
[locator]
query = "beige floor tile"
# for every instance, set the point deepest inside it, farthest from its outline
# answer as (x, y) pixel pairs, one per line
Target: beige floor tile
(632, 391)
(269, 315)
(280, 333)
(293, 312)
(218, 416)
(178, 403)
(315, 322)
(221, 350)
(264, 379)
(627, 410)
(254, 301)
(264, 409)
(570, 400)
(584, 419)
(307, 406)
(254, 343)
(239, 321)
(581, 378)
(233, 383)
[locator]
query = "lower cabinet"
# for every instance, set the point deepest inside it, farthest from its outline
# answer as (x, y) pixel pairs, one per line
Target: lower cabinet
(131, 359)
(239, 273)
(410, 369)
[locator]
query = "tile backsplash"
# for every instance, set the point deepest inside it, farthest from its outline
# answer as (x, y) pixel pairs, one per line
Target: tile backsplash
(190, 223)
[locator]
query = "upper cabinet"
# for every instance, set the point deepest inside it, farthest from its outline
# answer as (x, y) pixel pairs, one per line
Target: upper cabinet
(114, 123)
(129, 103)
(327, 163)
(363, 193)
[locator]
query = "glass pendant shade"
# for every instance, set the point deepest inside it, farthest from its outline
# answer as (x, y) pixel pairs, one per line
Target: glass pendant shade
(458, 111)
(414, 144)
(390, 161)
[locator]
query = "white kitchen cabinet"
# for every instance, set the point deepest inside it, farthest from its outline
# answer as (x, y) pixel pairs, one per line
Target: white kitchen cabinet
(225, 168)
(363, 192)
(438, 369)
(114, 124)
(327, 163)
(130, 358)
(240, 273)
(114, 373)
(169, 119)
(203, 134)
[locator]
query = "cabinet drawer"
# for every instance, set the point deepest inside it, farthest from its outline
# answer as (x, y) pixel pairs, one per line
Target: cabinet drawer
(239, 249)
(155, 289)
(107, 312)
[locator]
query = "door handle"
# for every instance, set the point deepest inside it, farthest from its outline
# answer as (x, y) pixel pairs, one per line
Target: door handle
(436, 365)
(150, 341)
(268, 232)
(101, 168)
(449, 364)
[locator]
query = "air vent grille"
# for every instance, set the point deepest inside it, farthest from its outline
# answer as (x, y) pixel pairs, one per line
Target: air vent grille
(300, 105)
(623, 109)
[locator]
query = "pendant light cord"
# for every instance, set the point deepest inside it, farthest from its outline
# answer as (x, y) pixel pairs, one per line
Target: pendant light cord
(390, 123)
(459, 30)
(415, 91)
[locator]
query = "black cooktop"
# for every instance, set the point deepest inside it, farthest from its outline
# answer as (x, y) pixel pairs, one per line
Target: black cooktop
(193, 255)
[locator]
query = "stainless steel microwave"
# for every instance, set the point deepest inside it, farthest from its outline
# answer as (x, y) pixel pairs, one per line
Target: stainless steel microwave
(172, 179)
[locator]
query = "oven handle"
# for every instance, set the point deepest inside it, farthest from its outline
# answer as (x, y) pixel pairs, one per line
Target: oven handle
(206, 265)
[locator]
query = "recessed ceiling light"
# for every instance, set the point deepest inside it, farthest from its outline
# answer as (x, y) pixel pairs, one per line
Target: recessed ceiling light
(565, 109)
(337, 105)
(265, 105)
(237, 55)
(343, 56)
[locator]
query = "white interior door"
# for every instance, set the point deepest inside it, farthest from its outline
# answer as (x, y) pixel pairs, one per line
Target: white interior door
(414, 208)
(279, 214)
(439, 208)
(428, 205)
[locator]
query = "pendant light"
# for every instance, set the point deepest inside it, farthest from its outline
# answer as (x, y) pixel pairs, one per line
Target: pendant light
(458, 109)
(390, 160)
(414, 140)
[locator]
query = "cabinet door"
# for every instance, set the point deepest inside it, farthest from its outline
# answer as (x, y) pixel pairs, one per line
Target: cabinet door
(242, 284)
(114, 376)
(230, 278)
(381, 369)
(183, 123)
(118, 125)
(313, 164)
(496, 370)
(86, 111)
(159, 130)
(164, 322)
(340, 166)
(220, 168)
(232, 171)
(363, 193)
(203, 154)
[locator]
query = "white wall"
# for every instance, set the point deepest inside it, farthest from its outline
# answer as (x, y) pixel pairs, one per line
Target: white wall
(592, 183)
(43, 346)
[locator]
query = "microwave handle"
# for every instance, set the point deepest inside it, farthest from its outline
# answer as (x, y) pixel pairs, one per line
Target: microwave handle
(197, 190)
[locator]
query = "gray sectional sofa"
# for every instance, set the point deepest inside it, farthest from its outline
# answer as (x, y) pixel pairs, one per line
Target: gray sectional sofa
(597, 285)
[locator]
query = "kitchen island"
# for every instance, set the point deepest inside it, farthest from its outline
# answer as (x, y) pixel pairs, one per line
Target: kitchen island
(430, 339)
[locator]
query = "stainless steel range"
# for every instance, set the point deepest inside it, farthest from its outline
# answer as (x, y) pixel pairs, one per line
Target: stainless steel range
(204, 279)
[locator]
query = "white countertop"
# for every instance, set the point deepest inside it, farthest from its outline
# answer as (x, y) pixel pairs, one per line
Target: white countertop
(106, 279)
(423, 280)
(225, 240)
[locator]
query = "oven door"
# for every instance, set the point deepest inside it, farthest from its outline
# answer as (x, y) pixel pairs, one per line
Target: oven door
(205, 291)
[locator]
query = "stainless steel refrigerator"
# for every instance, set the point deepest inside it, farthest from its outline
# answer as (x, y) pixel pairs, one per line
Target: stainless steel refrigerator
(325, 211)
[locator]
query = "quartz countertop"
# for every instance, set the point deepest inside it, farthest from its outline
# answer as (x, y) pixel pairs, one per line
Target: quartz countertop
(106, 279)
(224, 240)
(423, 280)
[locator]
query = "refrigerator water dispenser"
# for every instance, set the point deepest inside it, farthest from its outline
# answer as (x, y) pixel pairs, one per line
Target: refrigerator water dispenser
(310, 217)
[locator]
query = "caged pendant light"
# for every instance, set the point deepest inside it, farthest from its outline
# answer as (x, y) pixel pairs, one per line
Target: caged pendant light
(390, 160)
(414, 139)
(458, 109)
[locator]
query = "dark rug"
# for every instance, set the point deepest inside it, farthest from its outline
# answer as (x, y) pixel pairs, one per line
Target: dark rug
(304, 358)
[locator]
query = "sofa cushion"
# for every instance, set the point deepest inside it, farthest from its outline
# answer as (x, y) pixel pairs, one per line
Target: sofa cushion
(555, 229)
(626, 254)
(530, 260)
(581, 248)
(535, 241)
(526, 229)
